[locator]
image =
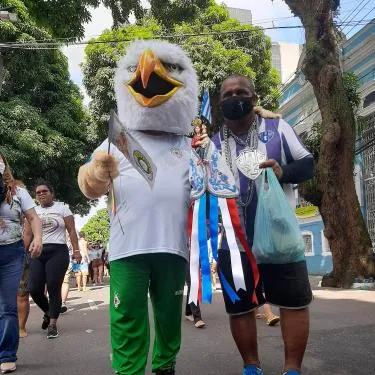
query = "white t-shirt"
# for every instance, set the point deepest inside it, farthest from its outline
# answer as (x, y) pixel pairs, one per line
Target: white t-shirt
(53, 225)
(11, 216)
(153, 220)
(95, 254)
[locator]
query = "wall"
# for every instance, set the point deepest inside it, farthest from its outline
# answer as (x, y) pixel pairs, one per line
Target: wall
(285, 57)
(320, 262)
(243, 15)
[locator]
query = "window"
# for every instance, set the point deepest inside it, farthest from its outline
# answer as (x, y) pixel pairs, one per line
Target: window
(369, 99)
(326, 250)
(309, 243)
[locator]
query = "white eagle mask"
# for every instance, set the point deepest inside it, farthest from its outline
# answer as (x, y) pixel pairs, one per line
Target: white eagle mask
(156, 88)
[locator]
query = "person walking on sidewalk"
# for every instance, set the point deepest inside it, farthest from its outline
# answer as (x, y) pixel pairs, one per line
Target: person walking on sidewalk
(82, 269)
(192, 310)
(51, 266)
(15, 202)
(285, 285)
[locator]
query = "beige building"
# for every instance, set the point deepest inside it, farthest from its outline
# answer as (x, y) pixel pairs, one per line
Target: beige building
(285, 57)
(243, 15)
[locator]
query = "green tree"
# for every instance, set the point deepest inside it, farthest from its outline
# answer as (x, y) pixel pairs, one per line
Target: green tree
(97, 228)
(66, 18)
(43, 124)
(177, 10)
(162, 10)
(214, 57)
(345, 227)
(62, 18)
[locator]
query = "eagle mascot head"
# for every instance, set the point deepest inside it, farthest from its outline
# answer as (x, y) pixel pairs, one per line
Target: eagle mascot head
(156, 88)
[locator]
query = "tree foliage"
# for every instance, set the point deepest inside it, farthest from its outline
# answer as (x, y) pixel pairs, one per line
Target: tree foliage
(42, 120)
(222, 53)
(97, 228)
(62, 18)
(122, 9)
(162, 10)
(214, 57)
(66, 18)
(177, 10)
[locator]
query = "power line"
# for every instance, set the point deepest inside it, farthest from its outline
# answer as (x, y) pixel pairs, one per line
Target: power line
(363, 18)
(53, 44)
(353, 10)
(291, 77)
(359, 11)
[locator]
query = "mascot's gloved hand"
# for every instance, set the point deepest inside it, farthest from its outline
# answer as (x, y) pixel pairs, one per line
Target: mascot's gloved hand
(94, 178)
(265, 113)
(105, 166)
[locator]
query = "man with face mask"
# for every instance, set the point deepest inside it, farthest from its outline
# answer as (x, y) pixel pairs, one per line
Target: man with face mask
(275, 143)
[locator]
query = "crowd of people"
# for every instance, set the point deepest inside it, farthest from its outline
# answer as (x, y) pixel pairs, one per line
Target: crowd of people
(47, 230)
(155, 262)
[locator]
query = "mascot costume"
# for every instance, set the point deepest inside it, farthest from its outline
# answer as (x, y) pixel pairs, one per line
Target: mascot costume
(160, 187)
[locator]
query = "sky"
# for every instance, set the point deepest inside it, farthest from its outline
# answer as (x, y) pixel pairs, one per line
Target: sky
(266, 13)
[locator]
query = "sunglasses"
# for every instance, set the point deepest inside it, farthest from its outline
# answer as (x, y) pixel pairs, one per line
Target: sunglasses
(40, 192)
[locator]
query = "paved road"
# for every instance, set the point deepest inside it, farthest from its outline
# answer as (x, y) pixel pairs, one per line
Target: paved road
(342, 340)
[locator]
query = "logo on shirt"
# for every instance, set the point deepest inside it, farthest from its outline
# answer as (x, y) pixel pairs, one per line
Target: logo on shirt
(144, 164)
(116, 301)
(266, 136)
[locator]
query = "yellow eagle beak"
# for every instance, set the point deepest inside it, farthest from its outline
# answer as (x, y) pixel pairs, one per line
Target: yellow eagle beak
(151, 84)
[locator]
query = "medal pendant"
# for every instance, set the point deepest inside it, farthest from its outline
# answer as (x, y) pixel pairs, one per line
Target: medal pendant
(248, 162)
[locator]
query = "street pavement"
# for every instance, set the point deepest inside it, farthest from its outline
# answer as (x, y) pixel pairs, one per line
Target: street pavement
(342, 340)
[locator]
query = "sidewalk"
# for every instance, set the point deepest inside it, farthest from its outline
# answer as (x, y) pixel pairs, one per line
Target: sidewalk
(342, 339)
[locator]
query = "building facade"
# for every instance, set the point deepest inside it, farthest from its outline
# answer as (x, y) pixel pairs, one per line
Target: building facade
(244, 16)
(285, 57)
(300, 109)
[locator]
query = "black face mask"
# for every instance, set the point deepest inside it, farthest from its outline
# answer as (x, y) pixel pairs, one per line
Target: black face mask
(236, 107)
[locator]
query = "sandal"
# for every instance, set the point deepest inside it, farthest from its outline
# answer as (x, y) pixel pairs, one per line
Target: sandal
(8, 367)
(199, 324)
(272, 321)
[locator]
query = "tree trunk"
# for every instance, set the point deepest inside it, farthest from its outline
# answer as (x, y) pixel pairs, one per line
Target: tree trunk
(345, 227)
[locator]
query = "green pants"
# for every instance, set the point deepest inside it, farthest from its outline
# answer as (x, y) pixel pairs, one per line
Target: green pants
(163, 275)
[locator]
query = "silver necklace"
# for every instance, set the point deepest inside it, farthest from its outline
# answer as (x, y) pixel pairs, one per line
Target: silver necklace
(251, 143)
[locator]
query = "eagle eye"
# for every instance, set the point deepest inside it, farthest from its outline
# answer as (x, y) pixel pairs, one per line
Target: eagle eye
(173, 67)
(132, 68)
